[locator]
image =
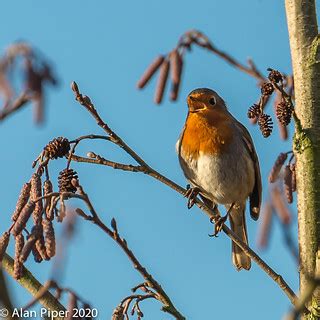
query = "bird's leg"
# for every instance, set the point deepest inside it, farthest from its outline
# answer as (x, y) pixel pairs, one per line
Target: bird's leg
(191, 194)
(219, 222)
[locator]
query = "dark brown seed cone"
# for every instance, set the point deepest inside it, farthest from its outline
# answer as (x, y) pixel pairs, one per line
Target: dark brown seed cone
(162, 81)
(280, 206)
(151, 70)
(65, 180)
(57, 148)
(36, 255)
(22, 200)
(283, 113)
(293, 175)
(265, 124)
(274, 173)
(36, 193)
(176, 63)
(267, 89)
(274, 76)
(17, 266)
(265, 227)
(287, 179)
(49, 237)
(41, 248)
(23, 218)
(4, 241)
(254, 111)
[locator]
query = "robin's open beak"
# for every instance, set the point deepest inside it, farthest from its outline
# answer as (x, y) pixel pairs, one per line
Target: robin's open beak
(195, 105)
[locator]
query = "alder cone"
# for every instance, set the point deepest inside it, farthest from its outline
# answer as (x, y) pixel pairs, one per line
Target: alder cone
(57, 148)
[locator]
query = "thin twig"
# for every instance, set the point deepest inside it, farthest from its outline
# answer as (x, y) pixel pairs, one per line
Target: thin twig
(86, 102)
(17, 104)
(162, 296)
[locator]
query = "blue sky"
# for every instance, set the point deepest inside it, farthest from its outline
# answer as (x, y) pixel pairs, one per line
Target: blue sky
(105, 47)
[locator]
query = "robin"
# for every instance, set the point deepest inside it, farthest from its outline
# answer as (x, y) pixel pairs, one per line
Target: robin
(218, 158)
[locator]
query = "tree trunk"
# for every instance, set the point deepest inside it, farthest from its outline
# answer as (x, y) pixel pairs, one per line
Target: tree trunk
(305, 53)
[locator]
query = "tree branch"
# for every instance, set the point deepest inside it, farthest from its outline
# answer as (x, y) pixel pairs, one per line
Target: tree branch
(305, 52)
(30, 283)
(86, 102)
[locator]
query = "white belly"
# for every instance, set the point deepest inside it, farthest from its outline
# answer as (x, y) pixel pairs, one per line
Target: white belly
(226, 179)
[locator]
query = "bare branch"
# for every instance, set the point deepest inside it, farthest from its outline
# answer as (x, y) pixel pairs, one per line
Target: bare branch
(86, 102)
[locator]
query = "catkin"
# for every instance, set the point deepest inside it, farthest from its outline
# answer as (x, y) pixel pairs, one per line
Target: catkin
(23, 218)
(264, 233)
(287, 179)
(72, 305)
(36, 193)
(36, 254)
(22, 200)
(42, 248)
(49, 237)
(274, 173)
(4, 241)
(18, 266)
(47, 189)
(151, 70)
(176, 63)
(162, 81)
(293, 182)
(31, 240)
(280, 206)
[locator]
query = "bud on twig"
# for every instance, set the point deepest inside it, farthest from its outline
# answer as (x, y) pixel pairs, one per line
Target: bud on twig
(74, 87)
(114, 225)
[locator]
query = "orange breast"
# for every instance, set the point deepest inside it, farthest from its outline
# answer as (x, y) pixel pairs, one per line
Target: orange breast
(208, 132)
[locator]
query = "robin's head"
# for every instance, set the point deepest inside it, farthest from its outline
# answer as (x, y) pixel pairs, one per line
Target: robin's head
(203, 99)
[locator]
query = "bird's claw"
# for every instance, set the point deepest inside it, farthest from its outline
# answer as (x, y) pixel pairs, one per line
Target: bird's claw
(191, 194)
(218, 224)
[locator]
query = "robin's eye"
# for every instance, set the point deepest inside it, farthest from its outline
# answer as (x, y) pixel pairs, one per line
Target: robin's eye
(212, 101)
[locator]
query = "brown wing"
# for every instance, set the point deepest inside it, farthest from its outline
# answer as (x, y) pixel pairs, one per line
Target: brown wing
(256, 195)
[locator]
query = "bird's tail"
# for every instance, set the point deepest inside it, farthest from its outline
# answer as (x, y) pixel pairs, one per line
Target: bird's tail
(238, 226)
